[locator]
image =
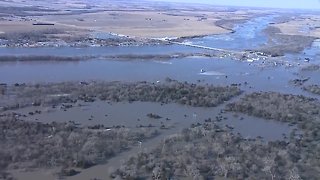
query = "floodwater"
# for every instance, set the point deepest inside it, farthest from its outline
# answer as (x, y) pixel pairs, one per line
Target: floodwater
(179, 117)
(221, 71)
(134, 115)
(252, 76)
(248, 35)
(218, 71)
(97, 51)
(311, 53)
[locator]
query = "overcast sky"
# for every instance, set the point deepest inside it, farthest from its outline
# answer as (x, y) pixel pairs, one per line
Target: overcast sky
(303, 4)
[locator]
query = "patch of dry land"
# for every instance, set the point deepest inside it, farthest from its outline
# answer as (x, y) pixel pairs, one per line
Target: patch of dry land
(152, 21)
(307, 25)
(19, 26)
(148, 24)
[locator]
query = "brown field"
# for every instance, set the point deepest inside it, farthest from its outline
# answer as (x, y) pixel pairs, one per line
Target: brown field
(297, 26)
(142, 24)
(25, 26)
(129, 19)
(134, 23)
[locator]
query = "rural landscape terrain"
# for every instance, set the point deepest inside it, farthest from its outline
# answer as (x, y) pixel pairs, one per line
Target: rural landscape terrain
(118, 89)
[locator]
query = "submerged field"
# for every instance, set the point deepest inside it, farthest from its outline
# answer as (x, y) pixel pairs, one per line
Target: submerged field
(114, 90)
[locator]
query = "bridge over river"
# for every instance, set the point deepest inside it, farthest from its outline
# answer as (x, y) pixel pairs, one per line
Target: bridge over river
(207, 47)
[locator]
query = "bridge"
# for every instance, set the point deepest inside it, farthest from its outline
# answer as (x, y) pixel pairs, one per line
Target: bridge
(206, 47)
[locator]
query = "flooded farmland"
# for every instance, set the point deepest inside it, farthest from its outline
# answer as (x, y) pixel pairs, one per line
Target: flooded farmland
(147, 99)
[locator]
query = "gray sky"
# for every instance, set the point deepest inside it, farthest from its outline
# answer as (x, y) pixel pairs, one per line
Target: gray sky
(303, 4)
